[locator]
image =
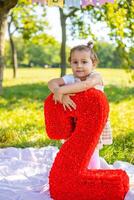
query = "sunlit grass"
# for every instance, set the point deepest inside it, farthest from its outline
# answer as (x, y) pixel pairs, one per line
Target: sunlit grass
(22, 118)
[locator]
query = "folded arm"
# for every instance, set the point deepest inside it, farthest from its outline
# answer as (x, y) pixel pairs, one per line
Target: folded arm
(62, 92)
(55, 83)
(81, 86)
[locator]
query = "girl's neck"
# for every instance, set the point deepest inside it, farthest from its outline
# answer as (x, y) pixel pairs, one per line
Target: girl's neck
(84, 77)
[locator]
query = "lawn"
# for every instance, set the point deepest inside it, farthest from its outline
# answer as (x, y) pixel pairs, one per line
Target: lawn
(22, 117)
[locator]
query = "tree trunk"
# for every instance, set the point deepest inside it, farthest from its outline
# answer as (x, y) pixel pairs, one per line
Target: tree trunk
(5, 6)
(14, 53)
(63, 44)
(3, 26)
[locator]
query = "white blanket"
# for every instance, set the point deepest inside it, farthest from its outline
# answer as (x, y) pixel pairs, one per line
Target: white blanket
(24, 173)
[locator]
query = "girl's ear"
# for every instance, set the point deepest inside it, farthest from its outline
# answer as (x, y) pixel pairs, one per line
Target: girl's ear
(94, 65)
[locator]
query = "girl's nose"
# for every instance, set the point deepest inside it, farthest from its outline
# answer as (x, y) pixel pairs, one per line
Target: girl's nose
(79, 65)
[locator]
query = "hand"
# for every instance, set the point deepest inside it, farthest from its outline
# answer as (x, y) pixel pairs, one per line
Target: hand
(68, 102)
(57, 97)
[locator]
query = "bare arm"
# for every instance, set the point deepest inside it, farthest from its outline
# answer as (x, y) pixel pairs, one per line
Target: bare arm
(55, 83)
(81, 86)
(54, 86)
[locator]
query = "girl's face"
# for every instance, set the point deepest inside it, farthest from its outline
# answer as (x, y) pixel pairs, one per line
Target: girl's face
(81, 64)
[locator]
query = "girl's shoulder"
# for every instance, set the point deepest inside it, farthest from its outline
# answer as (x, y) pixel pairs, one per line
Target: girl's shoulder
(97, 75)
(68, 79)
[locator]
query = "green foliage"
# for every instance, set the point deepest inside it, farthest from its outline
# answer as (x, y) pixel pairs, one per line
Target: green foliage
(44, 49)
(79, 24)
(22, 118)
(39, 55)
(112, 56)
(40, 50)
(119, 17)
(26, 20)
(105, 52)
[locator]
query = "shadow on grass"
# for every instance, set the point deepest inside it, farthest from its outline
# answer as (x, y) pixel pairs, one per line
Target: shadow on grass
(37, 144)
(33, 91)
(117, 94)
(27, 93)
(38, 92)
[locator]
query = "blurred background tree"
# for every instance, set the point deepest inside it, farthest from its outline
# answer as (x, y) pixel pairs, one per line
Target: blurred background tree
(118, 17)
(34, 53)
(24, 19)
(5, 6)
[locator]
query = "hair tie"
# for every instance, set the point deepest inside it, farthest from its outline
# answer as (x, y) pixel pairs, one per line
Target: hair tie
(90, 45)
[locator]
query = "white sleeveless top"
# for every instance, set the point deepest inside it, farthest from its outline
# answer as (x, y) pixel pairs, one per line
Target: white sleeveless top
(106, 136)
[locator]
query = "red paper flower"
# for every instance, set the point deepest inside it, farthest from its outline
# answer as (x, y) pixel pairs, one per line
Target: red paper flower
(69, 177)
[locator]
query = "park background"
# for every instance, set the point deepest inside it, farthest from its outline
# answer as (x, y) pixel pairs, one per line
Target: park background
(33, 56)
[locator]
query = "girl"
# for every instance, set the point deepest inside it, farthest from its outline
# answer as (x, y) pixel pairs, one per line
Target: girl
(83, 61)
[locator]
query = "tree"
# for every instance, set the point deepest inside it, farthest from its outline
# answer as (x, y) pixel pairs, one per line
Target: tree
(5, 6)
(63, 19)
(118, 16)
(39, 50)
(40, 55)
(106, 59)
(25, 20)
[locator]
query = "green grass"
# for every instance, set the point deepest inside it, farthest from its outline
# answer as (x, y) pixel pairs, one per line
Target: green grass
(22, 118)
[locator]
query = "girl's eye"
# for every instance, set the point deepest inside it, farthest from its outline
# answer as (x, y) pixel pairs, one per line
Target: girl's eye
(75, 62)
(84, 62)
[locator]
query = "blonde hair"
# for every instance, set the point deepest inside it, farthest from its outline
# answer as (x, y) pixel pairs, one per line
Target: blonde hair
(88, 47)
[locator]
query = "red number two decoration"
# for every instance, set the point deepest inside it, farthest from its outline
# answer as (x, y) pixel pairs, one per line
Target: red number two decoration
(69, 178)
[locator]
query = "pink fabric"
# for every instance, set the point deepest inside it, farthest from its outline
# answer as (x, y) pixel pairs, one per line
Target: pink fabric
(39, 1)
(94, 161)
(105, 1)
(101, 2)
(94, 2)
(86, 3)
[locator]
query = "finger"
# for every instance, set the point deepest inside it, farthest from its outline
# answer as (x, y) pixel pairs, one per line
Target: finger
(69, 103)
(68, 106)
(60, 100)
(71, 94)
(64, 107)
(72, 104)
(70, 100)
